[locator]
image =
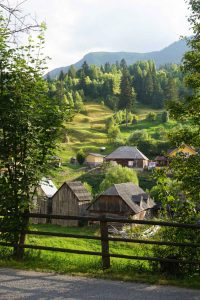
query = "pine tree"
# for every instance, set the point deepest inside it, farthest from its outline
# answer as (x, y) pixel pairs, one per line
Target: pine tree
(127, 94)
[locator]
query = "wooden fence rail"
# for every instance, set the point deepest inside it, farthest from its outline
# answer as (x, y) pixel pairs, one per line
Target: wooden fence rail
(104, 238)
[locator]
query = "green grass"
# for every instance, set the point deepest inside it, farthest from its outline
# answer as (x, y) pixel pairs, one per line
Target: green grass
(87, 131)
(65, 263)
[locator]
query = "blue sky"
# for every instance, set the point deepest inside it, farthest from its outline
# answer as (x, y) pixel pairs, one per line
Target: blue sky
(76, 27)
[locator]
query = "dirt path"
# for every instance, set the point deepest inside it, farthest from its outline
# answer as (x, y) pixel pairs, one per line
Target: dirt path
(17, 284)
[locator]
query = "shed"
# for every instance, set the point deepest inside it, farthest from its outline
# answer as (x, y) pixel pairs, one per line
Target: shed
(71, 199)
(42, 199)
(129, 157)
(122, 200)
(161, 161)
(94, 159)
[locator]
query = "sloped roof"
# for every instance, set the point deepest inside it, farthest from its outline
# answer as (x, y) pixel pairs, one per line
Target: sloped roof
(126, 152)
(131, 194)
(179, 148)
(96, 154)
(48, 187)
(79, 190)
(161, 157)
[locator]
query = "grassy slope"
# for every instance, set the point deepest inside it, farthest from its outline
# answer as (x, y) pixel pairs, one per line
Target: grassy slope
(122, 269)
(87, 131)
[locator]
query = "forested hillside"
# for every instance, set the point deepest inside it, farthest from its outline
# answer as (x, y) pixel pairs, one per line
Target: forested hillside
(169, 55)
(108, 83)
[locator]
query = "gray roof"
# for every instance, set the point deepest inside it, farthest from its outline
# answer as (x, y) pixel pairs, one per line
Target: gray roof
(126, 152)
(132, 194)
(79, 190)
(48, 187)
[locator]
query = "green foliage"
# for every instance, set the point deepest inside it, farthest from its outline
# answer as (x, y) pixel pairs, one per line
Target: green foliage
(29, 126)
(118, 174)
(165, 117)
(138, 136)
(151, 116)
(80, 156)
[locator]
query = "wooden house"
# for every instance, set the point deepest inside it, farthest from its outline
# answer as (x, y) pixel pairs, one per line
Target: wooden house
(94, 159)
(128, 157)
(71, 199)
(185, 149)
(42, 199)
(163, 160)
(123, 200)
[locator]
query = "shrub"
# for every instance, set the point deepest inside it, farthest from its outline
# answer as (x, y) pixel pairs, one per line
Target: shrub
(135, 119)
(80, 156)
(118, 174)
(138, 136)
(165, 117)
(151, 116)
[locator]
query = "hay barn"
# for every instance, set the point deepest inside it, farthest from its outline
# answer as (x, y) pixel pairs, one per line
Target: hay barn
(71, 199)
(123, 200)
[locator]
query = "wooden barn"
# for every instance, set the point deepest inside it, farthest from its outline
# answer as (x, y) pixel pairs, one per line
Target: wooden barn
(128, 157)
(71, 199)
(42, 199)
(123, 200)
(94, 159)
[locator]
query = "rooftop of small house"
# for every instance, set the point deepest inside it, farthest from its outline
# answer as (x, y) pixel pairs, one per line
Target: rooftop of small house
(48, 187)
(96, 154)
(126, 152)
(132, 195)
(78, 190)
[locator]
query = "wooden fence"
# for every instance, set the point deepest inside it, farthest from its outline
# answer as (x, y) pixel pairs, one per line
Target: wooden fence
(104, 238)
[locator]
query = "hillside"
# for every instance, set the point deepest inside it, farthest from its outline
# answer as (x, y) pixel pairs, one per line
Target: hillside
(171, 54)
(87, 131)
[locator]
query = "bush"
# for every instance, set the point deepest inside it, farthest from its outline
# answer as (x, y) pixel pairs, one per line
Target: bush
(118, 174)
(135, 119)
(151, 116)
(138, 136)
(165, 117)
(113, 133)
(80, 156)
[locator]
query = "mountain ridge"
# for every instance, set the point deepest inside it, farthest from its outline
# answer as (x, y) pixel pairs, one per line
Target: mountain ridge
(170, 54)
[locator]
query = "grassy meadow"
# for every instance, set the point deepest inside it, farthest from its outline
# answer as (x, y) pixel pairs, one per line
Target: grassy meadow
(87, 131)
(85, 265)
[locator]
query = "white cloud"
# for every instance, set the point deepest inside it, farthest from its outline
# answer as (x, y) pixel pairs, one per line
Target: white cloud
(76, 27)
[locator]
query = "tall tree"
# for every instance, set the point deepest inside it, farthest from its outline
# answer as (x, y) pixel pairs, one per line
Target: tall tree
(127, 94)
(29, 125)
(187, 171)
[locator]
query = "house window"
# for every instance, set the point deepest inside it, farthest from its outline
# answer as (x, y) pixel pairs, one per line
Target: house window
(130, 163)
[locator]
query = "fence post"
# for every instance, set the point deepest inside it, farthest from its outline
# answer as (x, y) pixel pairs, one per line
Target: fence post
(104, 244)
(18, 251)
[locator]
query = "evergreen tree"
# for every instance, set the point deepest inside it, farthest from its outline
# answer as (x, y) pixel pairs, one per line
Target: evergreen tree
(127, 94)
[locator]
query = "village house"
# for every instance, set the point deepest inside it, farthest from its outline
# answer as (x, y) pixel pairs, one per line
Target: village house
(185, 149)
(163, 161)
(71, 199)
(128, 157)
(123, 200)
(94, 159)
(41, 202)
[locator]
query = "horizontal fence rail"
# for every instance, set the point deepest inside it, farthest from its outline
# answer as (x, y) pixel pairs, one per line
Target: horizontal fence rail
(104, 238)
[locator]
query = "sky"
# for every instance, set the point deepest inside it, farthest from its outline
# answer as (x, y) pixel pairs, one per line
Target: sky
(76, 27)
